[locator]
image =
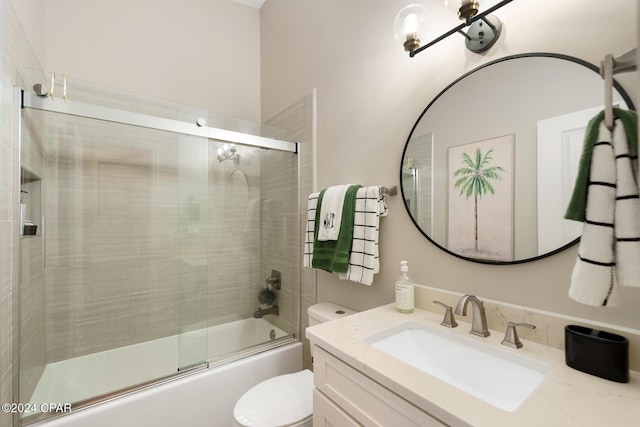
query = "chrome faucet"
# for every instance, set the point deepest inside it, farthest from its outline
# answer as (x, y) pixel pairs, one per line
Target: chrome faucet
(479, 319)
(274, 309)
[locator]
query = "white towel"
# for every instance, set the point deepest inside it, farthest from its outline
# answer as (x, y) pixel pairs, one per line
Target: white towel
(312, 204)
(364, 259)
(331, 212)
(609, 252)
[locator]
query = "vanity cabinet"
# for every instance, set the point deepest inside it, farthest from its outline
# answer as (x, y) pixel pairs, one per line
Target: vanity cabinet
(344, 396)
(328, 414)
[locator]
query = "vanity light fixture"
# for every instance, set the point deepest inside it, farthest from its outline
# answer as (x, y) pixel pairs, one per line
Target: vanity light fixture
(484, 28)
(409, 26)
(228, 152)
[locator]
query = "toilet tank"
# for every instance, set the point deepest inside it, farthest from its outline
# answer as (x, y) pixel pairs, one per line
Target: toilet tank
(326, 311)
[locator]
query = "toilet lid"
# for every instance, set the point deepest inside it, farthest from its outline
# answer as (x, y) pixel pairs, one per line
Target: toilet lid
(278, 401)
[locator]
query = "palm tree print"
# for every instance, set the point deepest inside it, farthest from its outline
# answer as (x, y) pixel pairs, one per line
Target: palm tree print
(474, 179)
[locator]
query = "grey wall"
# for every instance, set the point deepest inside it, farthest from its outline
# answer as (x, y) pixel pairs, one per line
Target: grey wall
(204, 53)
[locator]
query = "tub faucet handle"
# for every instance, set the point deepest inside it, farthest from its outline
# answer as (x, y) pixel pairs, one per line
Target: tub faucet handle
(511, 338)
(449, 321)
(275, 280)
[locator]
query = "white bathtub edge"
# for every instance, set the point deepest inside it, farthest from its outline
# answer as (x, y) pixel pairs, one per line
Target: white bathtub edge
(205, 399)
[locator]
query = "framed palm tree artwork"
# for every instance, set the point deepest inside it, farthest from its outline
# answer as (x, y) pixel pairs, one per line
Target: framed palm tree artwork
(480, 199)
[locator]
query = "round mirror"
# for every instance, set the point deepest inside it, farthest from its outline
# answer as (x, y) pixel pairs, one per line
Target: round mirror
(489, 166)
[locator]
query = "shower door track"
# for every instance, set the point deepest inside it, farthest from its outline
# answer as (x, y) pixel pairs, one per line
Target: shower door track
(91, 111)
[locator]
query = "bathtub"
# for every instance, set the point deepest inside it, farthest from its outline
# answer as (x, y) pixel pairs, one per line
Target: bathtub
(201, 397)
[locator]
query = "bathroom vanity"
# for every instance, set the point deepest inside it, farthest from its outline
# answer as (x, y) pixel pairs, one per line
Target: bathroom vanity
(358, 382)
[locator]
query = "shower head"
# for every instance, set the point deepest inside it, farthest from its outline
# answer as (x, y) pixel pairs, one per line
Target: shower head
(228, 152)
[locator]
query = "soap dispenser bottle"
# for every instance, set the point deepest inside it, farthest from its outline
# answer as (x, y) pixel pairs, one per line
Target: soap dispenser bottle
(404, 290)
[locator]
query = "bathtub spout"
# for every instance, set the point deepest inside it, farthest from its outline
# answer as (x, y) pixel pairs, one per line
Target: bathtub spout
(274, 309)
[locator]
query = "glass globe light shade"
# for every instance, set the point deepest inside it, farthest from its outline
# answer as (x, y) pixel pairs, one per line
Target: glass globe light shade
(408, 26)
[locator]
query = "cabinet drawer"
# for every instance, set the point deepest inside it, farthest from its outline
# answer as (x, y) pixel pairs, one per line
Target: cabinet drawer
(364, 399)
(328, 414)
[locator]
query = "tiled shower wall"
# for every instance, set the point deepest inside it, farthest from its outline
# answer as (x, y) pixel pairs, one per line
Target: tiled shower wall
(298, 289)
(235, 193)
(114, 236)
(32, 319)
(149, 235)
(16, 55)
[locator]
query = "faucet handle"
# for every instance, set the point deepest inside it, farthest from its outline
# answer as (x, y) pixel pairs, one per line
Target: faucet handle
(449, 321)
(274, 280)
(511, 338)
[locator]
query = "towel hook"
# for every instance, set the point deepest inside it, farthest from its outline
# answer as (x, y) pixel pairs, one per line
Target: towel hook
(607, 66)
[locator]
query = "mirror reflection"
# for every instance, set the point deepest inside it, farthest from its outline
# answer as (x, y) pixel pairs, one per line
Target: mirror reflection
(489, 166)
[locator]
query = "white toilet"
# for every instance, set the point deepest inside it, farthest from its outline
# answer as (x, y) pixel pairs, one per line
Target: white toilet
(285, 400)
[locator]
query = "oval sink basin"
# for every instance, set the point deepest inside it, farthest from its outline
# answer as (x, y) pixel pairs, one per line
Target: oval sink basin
(498, 376)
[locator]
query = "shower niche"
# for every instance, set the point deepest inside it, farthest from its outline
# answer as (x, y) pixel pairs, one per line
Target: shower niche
(30, 204)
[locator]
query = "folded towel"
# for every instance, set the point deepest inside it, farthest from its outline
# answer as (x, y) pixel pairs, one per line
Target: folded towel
(331, 212)
(364, 255)
(577, 206)
(312, 204)
(333, 255)
(364, 260)
(610, 244)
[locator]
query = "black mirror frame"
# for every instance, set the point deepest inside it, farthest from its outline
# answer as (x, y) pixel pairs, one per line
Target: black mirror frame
(616, 85)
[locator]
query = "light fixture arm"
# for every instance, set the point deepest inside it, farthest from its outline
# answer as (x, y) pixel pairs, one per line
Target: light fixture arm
(465, 35)
(467, 23)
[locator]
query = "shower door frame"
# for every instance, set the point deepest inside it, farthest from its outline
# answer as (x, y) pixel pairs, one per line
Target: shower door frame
(26, 100)
(91, 111)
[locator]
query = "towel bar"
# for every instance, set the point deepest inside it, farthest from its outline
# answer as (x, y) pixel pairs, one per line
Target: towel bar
(391, 191)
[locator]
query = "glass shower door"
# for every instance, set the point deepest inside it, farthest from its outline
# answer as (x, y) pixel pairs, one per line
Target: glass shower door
(151, 230)
(193, 269)
(115, 298)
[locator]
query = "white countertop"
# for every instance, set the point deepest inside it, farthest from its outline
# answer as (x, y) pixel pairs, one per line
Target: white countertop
(565, 398)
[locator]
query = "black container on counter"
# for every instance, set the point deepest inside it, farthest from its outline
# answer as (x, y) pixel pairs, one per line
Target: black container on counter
(599, 353)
